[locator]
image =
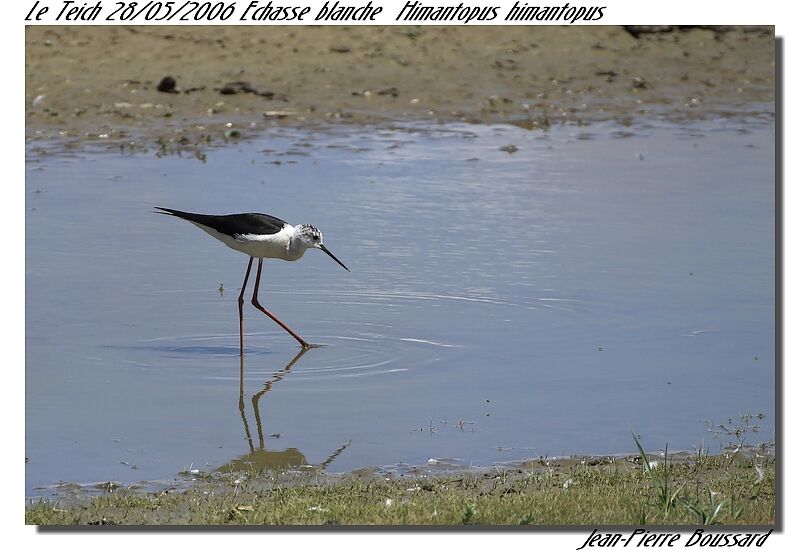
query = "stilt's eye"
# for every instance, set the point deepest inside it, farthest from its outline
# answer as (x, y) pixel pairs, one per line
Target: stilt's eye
(316, 238)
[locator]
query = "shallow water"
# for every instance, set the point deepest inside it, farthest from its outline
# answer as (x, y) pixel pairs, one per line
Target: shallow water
(501, 305)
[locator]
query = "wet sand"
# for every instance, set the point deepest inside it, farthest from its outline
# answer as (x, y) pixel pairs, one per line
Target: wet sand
(101, 82)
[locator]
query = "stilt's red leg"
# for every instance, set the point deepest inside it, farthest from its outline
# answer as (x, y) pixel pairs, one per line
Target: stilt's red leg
(241, 303)
(270, 315)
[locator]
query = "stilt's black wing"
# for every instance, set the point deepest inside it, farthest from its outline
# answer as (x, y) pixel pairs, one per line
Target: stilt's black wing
(232, 224)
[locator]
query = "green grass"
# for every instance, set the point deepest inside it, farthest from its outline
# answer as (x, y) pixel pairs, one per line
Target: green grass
(701, 490)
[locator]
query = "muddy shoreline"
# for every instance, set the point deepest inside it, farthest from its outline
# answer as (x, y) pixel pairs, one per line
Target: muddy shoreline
(576, 491)
(102, 83)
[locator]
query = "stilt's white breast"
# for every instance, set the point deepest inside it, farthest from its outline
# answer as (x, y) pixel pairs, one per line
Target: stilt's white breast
(275, 245)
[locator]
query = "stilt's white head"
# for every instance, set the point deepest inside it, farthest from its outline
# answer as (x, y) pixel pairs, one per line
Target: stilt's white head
(307, 236)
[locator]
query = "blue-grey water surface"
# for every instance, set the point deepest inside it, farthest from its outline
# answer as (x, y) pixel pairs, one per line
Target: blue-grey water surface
(500, 305)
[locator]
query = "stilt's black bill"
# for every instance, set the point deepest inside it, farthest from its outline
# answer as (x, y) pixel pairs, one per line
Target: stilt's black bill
(335, 259)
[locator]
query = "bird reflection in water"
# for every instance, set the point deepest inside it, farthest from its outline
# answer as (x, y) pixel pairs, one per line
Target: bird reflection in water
(260, 458)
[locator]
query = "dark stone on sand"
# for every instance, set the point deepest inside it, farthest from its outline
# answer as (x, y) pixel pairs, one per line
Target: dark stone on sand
(167, 85)
(638, 30)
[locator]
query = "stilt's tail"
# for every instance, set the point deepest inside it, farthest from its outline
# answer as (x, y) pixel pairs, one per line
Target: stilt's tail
(188, 216)
(170, 212)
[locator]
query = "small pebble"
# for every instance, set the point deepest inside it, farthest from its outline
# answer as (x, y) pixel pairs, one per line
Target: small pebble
(167, 85)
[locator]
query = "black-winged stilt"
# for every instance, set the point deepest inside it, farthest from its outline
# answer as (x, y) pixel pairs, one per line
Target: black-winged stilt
(259, 236)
